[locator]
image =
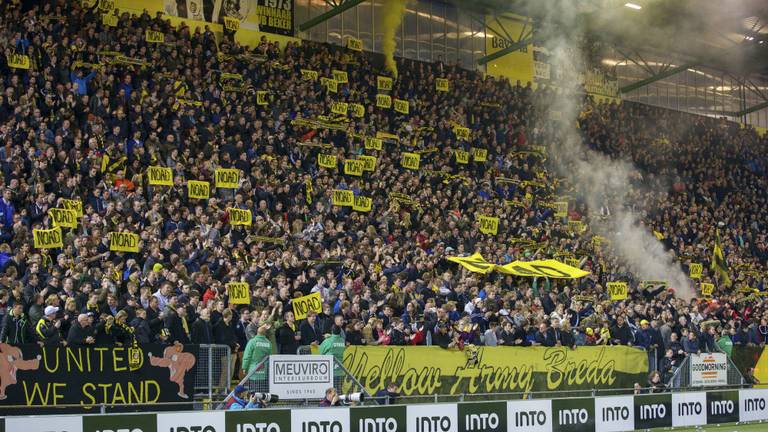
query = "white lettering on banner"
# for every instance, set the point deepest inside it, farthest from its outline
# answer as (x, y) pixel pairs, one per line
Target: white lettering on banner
(532, 415)
(481, 422)
(378, 424)
(652, 411)
(432, 418)
(320, 420)
(209, 421)
(688, 409)
(573, 416)
(709, 369)
(300, 377)
(753, 404)
(722, 407)
(258, 427)
(45, 424)
(614, 414)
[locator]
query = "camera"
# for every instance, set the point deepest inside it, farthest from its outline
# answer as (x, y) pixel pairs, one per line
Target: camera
(352, 397)
(265, 397)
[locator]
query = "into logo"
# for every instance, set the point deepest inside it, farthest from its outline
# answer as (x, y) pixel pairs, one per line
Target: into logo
(120, 430)
(377, 424)
(258, 427)
(652, 411)
(193, 429)
(433, 424)
(721, 407)
(530, 418)
(573, 416)
(481, 422)
(321, 426)
(689, 409)
(754, 404)
(611, 414)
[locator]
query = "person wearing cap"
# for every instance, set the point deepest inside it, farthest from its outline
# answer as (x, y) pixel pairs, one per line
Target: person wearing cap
(47, 328)
(643, 337)
(240, 400)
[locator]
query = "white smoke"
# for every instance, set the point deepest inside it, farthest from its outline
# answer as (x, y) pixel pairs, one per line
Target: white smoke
(597, 178)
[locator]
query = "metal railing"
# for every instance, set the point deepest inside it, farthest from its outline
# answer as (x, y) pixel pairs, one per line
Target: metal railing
(214, 371)
(681, 378)
(257, 380)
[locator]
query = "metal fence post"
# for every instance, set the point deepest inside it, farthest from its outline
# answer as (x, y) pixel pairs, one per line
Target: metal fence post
(210, 372)
(103, 408)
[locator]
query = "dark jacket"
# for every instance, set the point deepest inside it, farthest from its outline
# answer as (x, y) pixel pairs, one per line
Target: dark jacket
(224, 334)
(621, 334)
(201, 332)
(310, 333)
(286, 341)
(141, 331)
(546, 339)
(175, 327)
(47, 332)
(77, 334)
(15, 330)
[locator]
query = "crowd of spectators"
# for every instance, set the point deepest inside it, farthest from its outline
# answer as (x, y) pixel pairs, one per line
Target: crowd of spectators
(100, 105)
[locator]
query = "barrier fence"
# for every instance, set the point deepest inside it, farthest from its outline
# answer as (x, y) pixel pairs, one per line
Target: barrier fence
(583, 414)
(214, 370)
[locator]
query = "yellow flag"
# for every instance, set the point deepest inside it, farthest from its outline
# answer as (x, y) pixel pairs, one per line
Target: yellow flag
(462, 157)
(63, 217)
(372, 143)
(339, 108)
(355, 44)
(154, 36)
(401, 106)
(357, 110)
(383, 101)
(198, 189)
(410, 160)
(227, 178)
(461, 132)
(383, 83)
(696, 270)
(239, 216)
(123, 242)
(109, 20)
(239, 293)
(18, 61)
(326, 161)
(441, 84)
(369, 162)
(231, 23)
(75, 205)
(362, 204)
(479, 154)
(262, 97)
(47, 238)
(340, 76)
(617, 290)
(160, 176)
(309, 75)
(343, 198)
(353, 167)
(489, 225)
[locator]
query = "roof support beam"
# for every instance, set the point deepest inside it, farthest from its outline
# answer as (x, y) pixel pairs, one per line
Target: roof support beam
(752, 109)
(659, 76)
(337, 9)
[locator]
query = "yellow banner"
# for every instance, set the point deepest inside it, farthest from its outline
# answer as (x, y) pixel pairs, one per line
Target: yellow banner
(302, 305)
(343, 198)
(109, 20)
(239, 216)
(617, 290)
(353, 167)
(227, 178)
(576, 226)
(326, 161)
(357, 110)
(441, 84)
(18, 61)
(383, 83)
(696, 270)
(431, 370)
(462, 157)
(362, 204)
(239, 293)
(369, 162)
(339, 108)
(372, 143)
(63, 217)
(231, 23)
(75, 205)
(479, 154)
(355, 44)
(262, 97)
(401, 106)
(154, 36)
(309, 75)
(542, 268)
(410, 160)
(474, 263)
(340, 76)
(106, 5)
(330, 85)
(198, 189)
(383, 101)
(561, 208)
(461, 132)
(123, 242)
(707, 289)
(47, 238)
(489, 225)
(160, 176)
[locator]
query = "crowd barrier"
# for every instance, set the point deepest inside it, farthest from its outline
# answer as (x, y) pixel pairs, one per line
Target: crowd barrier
(604, 414)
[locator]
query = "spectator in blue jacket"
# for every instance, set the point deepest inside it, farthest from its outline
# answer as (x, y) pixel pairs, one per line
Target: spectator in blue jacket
(240, 402)
(6, 208)
(82, 81)
(691, 343)
(643, 337)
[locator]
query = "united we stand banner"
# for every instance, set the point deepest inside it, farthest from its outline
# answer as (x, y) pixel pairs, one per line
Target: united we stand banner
(48, 377)
(426, 370)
